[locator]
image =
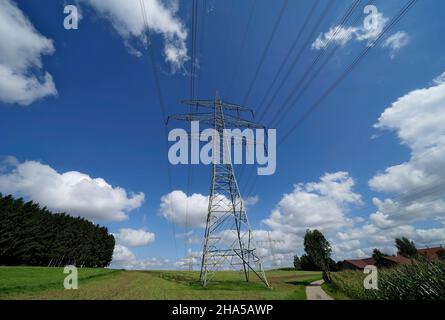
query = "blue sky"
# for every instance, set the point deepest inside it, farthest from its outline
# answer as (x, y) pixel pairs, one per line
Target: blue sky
(105, 122)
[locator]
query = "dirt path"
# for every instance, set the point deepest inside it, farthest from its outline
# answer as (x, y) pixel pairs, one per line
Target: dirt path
(315, 292)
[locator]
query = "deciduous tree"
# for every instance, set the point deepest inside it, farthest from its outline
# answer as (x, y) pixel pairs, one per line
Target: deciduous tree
(319, 250)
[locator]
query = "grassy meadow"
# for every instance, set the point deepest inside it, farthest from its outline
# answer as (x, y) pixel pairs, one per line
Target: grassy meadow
(47, 283)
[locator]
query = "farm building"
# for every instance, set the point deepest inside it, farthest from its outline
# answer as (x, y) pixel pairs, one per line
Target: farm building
(392, 261)
(431, 253)
(357, 264)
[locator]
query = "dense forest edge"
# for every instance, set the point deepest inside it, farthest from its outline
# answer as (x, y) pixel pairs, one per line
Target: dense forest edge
(34, 236)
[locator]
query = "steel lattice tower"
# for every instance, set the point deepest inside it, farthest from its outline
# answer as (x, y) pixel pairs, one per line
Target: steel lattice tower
(228, 236)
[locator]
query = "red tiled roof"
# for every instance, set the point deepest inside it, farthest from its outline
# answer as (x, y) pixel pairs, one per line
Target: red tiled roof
(430, 253)
(398, 259)
(361, 263)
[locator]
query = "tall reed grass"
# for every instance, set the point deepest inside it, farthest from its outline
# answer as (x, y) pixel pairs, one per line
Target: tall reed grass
(421, 280)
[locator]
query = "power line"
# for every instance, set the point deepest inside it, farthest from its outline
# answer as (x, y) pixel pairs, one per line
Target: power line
(161, 103)
(300, 52)
(422, 192)
(298, 56)
(340, 24)
(431, 194)
(243, 44)
(192, 96)
(241, 51)
(283, 63)
(298, 86)
(286, 59)
(193, 58)
(351, 67)
(190, 172)
(202, 38)
(358, 59)
(227, 34)
(265, 51)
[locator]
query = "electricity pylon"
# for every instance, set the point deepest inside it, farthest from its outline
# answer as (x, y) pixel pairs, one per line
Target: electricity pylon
(228, 236)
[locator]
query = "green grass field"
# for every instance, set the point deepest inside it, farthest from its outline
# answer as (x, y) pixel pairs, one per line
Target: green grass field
(47, 283)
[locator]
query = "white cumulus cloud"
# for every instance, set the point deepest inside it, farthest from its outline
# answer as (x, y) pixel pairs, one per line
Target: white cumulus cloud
(396, 42)
(72, 192)
(440, 79)
(337, 35)
(124, 258)
(418, 119)
(322, 205)
(415, 188)
(122, 254)
(127, 19)
(191, 211)
(22, 79)
(135, 237)
(185, 211)
(341, 35)
(415, 203)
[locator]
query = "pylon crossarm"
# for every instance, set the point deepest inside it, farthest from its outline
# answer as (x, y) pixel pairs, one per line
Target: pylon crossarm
(211, 105)
(206, 118)
(236, 107)
(232, 121)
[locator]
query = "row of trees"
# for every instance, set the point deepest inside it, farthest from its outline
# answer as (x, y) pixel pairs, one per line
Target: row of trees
(30, 235)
